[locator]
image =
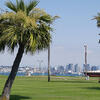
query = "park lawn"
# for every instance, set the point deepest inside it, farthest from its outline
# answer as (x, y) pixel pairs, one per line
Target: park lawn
(60, 88)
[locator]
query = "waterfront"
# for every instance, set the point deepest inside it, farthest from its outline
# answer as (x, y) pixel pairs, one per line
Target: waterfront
(69, 70)
(40, 74)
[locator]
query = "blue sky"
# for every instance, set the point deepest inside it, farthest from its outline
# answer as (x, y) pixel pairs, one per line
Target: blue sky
(74, 29)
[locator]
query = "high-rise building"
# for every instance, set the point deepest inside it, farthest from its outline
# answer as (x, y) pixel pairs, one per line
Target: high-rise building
(69, 68)
(86, 67)
(94, 68)
(76, 68)
(60, 69)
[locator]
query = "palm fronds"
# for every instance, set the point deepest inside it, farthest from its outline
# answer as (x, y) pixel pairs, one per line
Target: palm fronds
(98, 19)
(29, 26)
(11, 6)
(31, 5)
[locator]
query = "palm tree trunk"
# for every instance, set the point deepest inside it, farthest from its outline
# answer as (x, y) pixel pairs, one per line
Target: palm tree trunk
(49, 63)
(7, 88)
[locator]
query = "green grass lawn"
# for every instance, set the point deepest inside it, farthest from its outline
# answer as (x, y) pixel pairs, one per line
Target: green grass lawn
(60, 88)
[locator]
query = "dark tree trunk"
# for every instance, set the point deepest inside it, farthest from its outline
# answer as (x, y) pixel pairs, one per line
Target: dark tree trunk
(7, 88)
(49, 63)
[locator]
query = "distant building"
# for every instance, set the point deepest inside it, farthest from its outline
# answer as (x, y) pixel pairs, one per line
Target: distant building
(60, 69)
(52, 69)
(69, 68)
(76, 68)
(66, 69)
(86, 67)
(94, 68)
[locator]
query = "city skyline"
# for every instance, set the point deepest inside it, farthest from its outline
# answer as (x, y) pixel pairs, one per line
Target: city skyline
(72, 31)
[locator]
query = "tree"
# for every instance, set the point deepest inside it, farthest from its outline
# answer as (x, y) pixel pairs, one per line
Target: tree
(98, 21)
(27, 28)
(49, 63)
(98, 25)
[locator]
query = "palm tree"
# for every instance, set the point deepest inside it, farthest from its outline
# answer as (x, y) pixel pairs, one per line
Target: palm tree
(49, 63)
(98, 25)
(27, 28)
(98, 21)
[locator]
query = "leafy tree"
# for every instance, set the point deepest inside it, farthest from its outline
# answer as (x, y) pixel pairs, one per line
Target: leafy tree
(27, 28)
(98, 21)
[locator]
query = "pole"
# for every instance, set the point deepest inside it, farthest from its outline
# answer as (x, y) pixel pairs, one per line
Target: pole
(87, 77)
(49, 63)
(85, 54)
(85, 58)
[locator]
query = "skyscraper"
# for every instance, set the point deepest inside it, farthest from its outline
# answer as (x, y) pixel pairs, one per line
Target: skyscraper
(76, 68)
